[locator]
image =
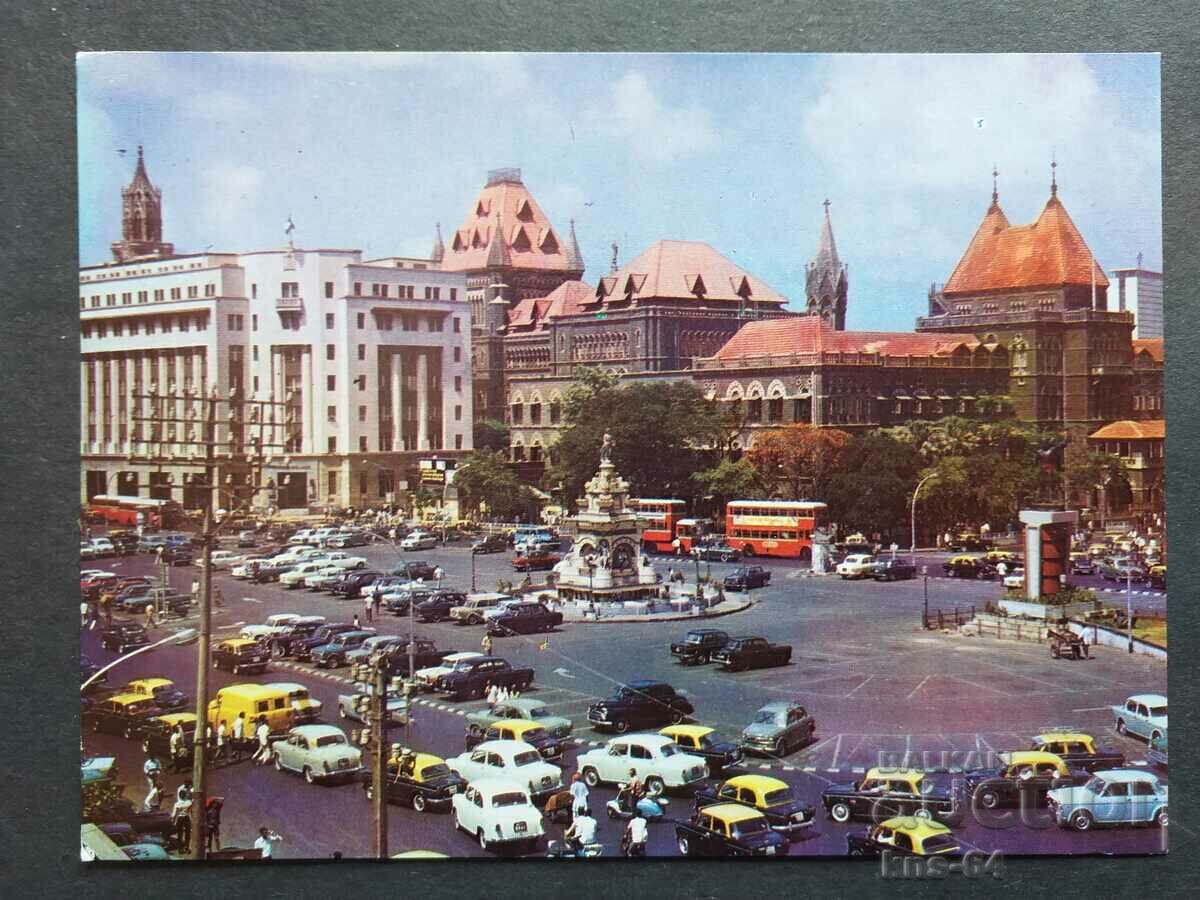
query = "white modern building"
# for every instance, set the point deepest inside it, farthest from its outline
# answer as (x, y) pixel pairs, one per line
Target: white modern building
(1140, 292)
(369, 359)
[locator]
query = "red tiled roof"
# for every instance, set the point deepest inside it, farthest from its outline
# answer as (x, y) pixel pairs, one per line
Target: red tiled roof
(812, 334)
(1153, 346)
(531, 241)
(1048, 253)
(677, 269)
(564, 300)
(1130, 430)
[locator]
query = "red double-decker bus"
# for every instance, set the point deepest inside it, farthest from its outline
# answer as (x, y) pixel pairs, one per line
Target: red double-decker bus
(773, 527)
(658, 519)
(136, 511)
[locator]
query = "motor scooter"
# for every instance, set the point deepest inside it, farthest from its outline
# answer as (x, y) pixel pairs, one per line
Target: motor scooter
(564, 850)
(632, 850)
(650, 806)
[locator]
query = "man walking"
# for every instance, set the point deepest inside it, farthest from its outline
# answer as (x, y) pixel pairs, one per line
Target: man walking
(368, 605)
(212, 824)
(175, 745)
(181, 816)
(579, 795)
(486, 644)
(222, 731)
(265, 844)
(239, 736)
(376, 599)
(263, 756)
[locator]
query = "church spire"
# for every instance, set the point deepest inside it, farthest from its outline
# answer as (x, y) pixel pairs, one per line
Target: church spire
(1053, 176)
(825, 279)
(141, 218)
(574, 257)
(995, 186)
(438, 253)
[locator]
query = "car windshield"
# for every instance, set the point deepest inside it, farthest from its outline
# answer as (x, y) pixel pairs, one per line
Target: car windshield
(1158, 711)
(437, 770)
(778, 798)
(526, 758)
(462, 665)
(764, 717)
(1095, 785)
(750, 826)
(536, 712)
(695, 639)
(669, 749)
(513, 799)
(139, 706)
(330, 740)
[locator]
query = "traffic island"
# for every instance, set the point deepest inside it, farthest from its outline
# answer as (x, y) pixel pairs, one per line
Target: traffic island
(655, 611)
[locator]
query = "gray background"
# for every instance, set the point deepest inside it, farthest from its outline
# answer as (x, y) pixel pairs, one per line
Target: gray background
(39, 478)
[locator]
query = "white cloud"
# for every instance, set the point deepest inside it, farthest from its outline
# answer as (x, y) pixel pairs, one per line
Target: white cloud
(652, 131)
(229, 202)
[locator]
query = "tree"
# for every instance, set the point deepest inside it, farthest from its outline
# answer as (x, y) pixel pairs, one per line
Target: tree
(799, 455)
(486, 477)
(729, 480)
(872, 489)
(490, 434)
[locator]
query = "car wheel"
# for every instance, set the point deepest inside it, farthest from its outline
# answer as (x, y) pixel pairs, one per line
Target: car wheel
(1082, 820)
(419, 802)
(725, 557)
(308, 775)
(1160, 818)
(278, 763)
(1121, 726)
(654, 785)
(621, 726)
(474, 620)
(591, 777)
(840, 812)
(684, 846)
(857, 851)
(989, 799)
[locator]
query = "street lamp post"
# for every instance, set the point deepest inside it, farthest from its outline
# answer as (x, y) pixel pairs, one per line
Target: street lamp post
(1129, 606)
(917, 490)
(925, 612)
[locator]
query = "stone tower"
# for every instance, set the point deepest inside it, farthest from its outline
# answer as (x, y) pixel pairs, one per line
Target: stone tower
(141, 219)
(826, 282)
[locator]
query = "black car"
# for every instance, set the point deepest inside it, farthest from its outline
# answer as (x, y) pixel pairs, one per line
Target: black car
(742, 653)
(894, 570)
(122, 714)
(424, 655)
(118, 809)
(437, 607)
(355, 581)
(156, 738)
(166, 696)
(747, 577)
(303, 648)
(887, 792)
(177, 555)
(349, 539)
(413, 571)
(729, 829)
(640, 705)
(1023, 782)
(968, 544)
(123, 637)
(472, 677)
(301, 638)
(537, 737)
(174, 604)
(239, 656)
(903, 837)
(398, 602)
(420, 781)
(698, 645)
(524, 618)
(126, 543)
(968, 567)
(775, 799)
(718, 550)
(492, 543)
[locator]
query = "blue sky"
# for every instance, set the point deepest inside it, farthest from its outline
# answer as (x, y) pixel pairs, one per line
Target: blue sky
(370, 150)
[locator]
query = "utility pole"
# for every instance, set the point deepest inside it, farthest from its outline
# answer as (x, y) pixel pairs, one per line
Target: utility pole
(375, 676)
(164, 408)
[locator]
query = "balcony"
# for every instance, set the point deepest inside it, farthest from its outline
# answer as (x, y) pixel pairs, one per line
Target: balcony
(289, 304)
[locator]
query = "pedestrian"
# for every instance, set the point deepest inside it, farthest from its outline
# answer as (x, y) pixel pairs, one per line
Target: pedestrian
(222, 731)
(376, 599)
(83, 614)
(195, 592)
(368, 606)
(106, 600)
(486, 644)
(503, 697)
(354, 621)
(212, 824)
(263, 733)
(175, 746)
(492, 694)
(239, 736)
(181, 815)
(579, 795)
(267, 839)
(151, 616)
(439, 574)
(1002, 569)
(153, 799)
(218, 598)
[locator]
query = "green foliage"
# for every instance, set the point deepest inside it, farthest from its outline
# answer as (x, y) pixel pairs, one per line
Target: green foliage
(490, 434)
(873, 488)
(729, 480)
(1067, 594)
(798, 460)
(486, 477)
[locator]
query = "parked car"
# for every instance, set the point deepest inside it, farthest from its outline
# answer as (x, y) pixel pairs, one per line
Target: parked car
(376, 642)
(348, 539)
(659, 762)
(516, 760)
(857, 565)
(497, 811)
(778, 728)
(521, 709)
(333, 654)
(536, 561)
(968, 567)
(420, 653)
(491, 543)
(729, 829)
(1015, 580)
(295, 577)
(123, 714)
(177, 555)
(275, 624)
(118, 809)
(1157, 754)
(413, 570)
(1114, 797)
(427, 678)
(702, 741)
(161, 690)
(1158, 576)
(967, 543)
(87, 551)
(123, 637)
(287, 642)
(420, 780)
(419, 540)
(1122, 570)
(747, 577)
(1144, 715)
(397, 707)
(1082, 564)
(1022, 779)
(888, 792)
(149, 543)
(398, 602)
(1078, 750)
(718, 550)
(239, 655)
(531, 733)
(773, 798)
(699, 645)
(745, 652)
(125, 543)
(904, 836)
(471, 612)
(318, 752)
(102, 546)
(354, 581)
(437, 606)
(525, 618)
(471, 678)
(640, 704)
(895, 569)
(156, 734)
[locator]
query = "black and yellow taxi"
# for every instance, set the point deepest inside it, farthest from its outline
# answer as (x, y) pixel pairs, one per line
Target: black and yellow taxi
(884, 792)
(1022, 779)
(904, 836)
(123, 714)
(419, 780)
(161, 690)
(700, 740)
(532, 733)
(729, 829)
(239, 655)
(966, 565)
(1158, 576)
(156, 733)
(1078, 750)
(770, 796)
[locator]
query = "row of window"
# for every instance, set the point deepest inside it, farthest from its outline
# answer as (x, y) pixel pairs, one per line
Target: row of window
(127, 298)
(517, 415)
(1151, 402)
(759, 534)
(151, 324)
(331, 414)
(361, 380)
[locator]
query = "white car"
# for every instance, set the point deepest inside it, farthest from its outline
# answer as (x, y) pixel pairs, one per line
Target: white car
(87, 551)
(427, 677)
(103, 547)
(318, 752)
(1015, 579)
(303, 537)
(224, 559)
(295, 577)
(275, 624)
(419, 540)
(857, 565)
(322, 577)
(660, 763)
(497, 811)
(514, 760)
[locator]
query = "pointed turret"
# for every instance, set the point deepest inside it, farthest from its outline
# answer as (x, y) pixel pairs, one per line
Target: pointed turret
(141, 218)
(826, 282)
(438, 253)
(574, 257)
(498, 255)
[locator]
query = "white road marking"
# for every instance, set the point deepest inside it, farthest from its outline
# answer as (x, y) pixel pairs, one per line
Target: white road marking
(251, 600)
(853, 692)
(918, 687)
(809, 769)
(858, 770)
(764, 765)
(836, 750)
(1138, 762)
(789, 768)
(1092, 709)
(830, 770)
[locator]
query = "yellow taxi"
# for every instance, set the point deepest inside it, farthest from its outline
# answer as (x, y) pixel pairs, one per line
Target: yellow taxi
(700, 740)
(156, 734)
(532, 733)
(1022, 779)
(161, 690)
(770, 796)
(1008, 557)
(1158, 576)
(1078, 750)
(905, 836)
(419, 780)
(123, 714)
(967, 565)
(887, 791)
(729, 829)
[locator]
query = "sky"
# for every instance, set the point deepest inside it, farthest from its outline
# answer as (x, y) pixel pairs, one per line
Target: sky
(737, 150)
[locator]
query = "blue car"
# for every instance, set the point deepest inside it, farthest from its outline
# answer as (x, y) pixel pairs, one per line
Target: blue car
(1113, 797)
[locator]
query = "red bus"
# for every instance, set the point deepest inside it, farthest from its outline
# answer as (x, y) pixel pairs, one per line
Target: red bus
(689, 532)
(117, 510)
(773, 527)
(658, 519)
